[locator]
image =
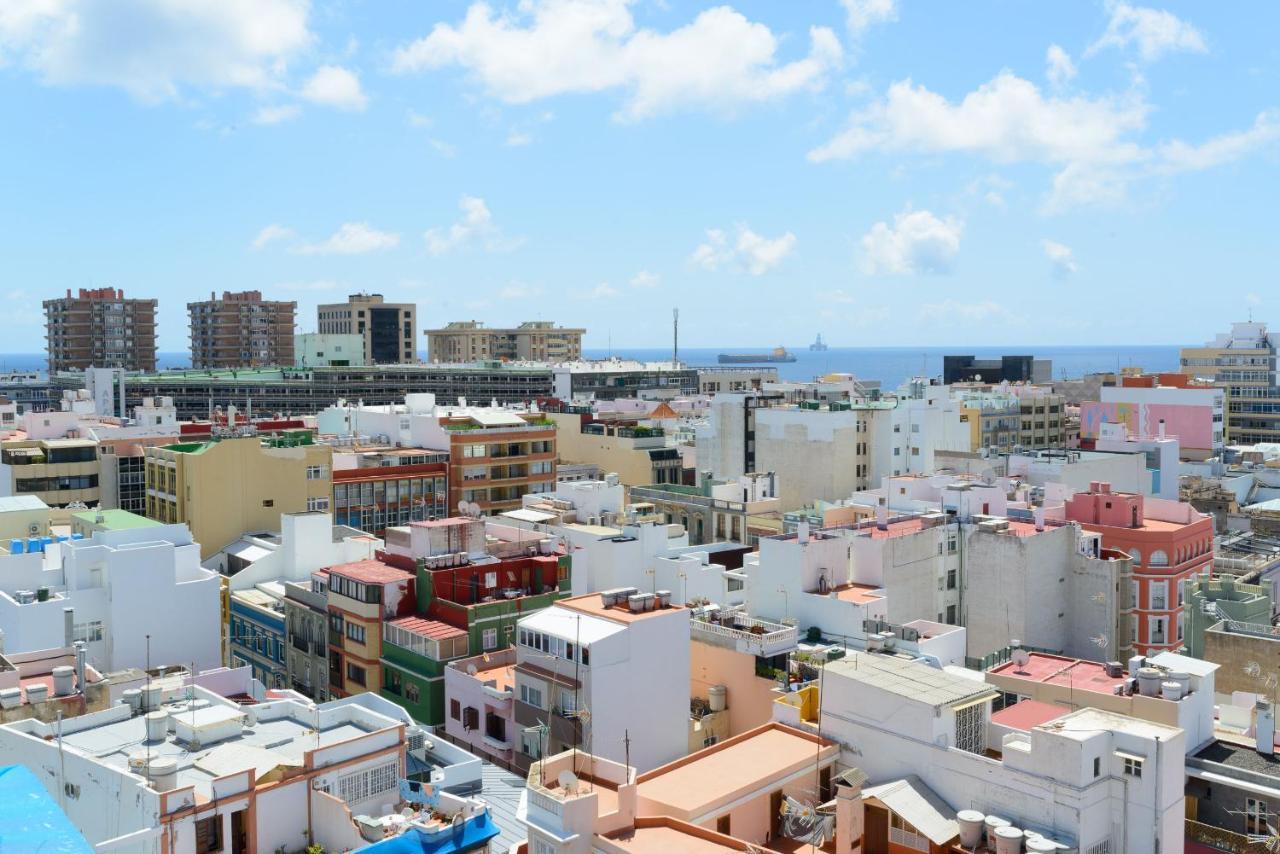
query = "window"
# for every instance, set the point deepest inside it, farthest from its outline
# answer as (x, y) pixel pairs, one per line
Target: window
(391, 680)
(531, 696)
(268, 502)
(1255, 817)
(209, 834)
(1159, 558)
(490, 639)
(412, 693)
(1133, 766)
(88, 632)
(470, 718)
(1097, 766)
(369, 783)
(1159, 594)
(455, 710)
(355, 632)
(473, 451)
(356, 673)
(971, 730)
(951, 579)
(320, 503)
(317, 472)
(951, 615)
(531, 742)
(709, 740)
(541, 847)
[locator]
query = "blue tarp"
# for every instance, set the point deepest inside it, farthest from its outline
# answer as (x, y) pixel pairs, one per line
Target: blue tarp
(469, 836)
(30, 820)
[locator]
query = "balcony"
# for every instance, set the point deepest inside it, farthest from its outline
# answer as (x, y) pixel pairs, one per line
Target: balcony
(745, 633)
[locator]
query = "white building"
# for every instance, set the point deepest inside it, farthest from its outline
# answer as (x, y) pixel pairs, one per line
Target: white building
(306, 541)
(189, 771)
(614, 681)
(112, 590)
(322, 349)
(1093, 780)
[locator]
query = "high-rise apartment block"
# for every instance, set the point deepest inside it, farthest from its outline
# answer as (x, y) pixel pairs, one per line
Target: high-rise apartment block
(388, 328)
(241, 330)
(531, 341)
(100, 328)
(1243, 362)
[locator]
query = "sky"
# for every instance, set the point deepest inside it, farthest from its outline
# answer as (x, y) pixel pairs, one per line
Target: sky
(885, 172)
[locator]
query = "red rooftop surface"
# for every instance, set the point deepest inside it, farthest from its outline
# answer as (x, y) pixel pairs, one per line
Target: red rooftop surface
(370, 571)
(903, 527)
(1027, 714)
(1072, 673)
(433, 629)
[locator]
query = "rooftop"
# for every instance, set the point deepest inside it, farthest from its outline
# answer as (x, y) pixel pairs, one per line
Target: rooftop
(592, 604)
(719, 774)
(662, 835)
(911, 679)
(115, 520)
(433, 629)
(1241, 756)
(1059, 670)
(1028, 714)
(10, 503)
(859, 594)
(370, 571)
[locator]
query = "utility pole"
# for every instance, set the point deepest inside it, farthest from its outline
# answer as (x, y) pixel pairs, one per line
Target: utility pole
(675, 336)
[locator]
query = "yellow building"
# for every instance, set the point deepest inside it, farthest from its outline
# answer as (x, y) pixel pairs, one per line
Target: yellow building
(225, 487)
(57, 471)
(638, 454)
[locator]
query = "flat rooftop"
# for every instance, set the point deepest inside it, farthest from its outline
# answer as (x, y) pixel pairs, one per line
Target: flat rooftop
(504, 675)
(370, 572)
(670, 836)
(736, 767)
(592, 604)
(432, 629)
(1073, 673)
(913, 680)
(1241, 756)
(1027, 714)
(858, 593)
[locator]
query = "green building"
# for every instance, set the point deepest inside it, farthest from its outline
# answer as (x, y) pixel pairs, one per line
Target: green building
(462, 611)
(89, 522)
(1209, 601)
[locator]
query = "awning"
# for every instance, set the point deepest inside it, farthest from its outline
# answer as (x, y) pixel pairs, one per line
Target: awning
(920, 806)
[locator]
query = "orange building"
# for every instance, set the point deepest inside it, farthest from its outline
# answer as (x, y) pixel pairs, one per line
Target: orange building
(1169, 542)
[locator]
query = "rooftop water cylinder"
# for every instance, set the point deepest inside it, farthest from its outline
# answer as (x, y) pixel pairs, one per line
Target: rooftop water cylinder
(1008, 840)
(1149, 679)
(15, 546)
(1040, 845)
(63, 681)
(157, 725)
(151, 698)
(1171, 690)
(162, 771)
(992, 822)
(34, 544)
(1182, 678)
(133, 697)
(1135, 664)
(716, 696)
(970, 822)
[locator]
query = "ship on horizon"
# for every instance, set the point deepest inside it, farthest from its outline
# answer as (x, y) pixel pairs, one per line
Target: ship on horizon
(778, 354)
(818, 345)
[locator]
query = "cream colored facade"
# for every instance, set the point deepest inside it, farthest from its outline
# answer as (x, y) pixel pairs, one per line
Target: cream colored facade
(388, 328)
(57, 471)
(533, 340)
(222, 489)
(1243, 362)
(618, 450)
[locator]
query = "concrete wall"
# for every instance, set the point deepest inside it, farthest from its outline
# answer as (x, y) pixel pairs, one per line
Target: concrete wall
(1234, 652)
(749, 698)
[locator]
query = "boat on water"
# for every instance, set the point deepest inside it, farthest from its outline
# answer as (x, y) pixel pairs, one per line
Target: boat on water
(778, 354)
(818, 345)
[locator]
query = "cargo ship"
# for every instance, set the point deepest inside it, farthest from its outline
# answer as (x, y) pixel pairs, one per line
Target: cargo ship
(818, 345)
(778, 354)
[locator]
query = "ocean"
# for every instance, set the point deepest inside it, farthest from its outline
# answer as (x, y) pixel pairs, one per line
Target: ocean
(890, 365)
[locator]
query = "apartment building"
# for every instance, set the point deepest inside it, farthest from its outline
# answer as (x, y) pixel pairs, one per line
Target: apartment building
(1169, 543)
(100, 328)
(739, 511)
(224, 487)
(1156, 406)
(322, 349)
(1224, 600)
(1013, 369)
(1242, 362)
(57, 471)
(531, 341)
(611, 379)
(1005, 416)
(363, 597)
(611, 668)
(241, 330)
(637, 451)
(389, 329)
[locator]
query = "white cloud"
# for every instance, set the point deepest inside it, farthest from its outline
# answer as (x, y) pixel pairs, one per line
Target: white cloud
(518, 138)
(1058, 66)
(604, 290)
(276, 115)
(1179, 156)
(719, 61)
(1252, 299)
(752, 252)
(416, 119)
(155, 48)
(444, 149)
(476, 225)
(352, 238)
(917, 242)
(272, 233)
(949, 311)
(335, 86)
(1061, 258)
(861, 14)
(644, 279)
(1155, 32)
(519, 290)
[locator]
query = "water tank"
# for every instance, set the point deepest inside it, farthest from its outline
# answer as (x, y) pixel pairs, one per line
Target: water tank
(1040, 845)
(37, 693)
(10, 698)
(1182, 678)
(15, 546)
(970, 822)
(138, 763)
(157, 725)
(151, 698)
(63, 680)
(991, 823)
(133, 697)
(1171, 690)
(1149, 679)
(162, 771)
(1135, 663)
(1008, 840)
(716, 697)
(42, 594)
(664, 598)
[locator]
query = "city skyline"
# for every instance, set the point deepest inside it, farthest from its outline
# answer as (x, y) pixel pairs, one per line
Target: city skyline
(898, 173)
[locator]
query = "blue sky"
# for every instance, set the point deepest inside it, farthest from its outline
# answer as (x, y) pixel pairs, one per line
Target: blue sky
(883, 172)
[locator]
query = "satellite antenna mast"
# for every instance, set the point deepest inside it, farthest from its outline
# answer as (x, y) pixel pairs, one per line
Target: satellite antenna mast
(675, 336)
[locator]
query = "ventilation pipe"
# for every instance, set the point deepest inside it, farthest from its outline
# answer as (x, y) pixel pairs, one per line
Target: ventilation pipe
(68, 626)
(80, 666)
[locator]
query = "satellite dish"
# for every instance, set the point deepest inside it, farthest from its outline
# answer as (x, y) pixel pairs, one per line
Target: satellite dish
(988, 476)
(471, 670)
(462, 508)
(568, 780)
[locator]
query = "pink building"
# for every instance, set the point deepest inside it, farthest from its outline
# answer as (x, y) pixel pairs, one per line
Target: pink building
(1157, 406)
(1169, 542)
(479, 690)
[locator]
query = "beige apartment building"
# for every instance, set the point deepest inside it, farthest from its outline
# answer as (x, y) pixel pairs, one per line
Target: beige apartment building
(389, 329)
(638, 454)
(1244, 363)
(223, 488)
(241, 330)
(100, 328)
(531, 341)
(57, 471)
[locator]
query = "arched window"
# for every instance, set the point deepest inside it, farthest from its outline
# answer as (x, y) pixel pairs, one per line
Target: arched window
(1136, 555)
(1159, 558)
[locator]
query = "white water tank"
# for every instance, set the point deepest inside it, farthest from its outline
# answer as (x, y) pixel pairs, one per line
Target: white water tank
(970, 822)
(37, 693)
(1040, 845)
(1008, 840)
(10, 698)
(151, 695)
(63, 681)
(1135, 664)
(133, 697)
(1183, 679)
(992, 823)
(1171, 690)
(157, 725)
(1149, 679)
(716, 697)
(162, 771)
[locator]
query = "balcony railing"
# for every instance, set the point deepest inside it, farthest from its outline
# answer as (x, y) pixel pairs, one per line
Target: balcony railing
(747, 634)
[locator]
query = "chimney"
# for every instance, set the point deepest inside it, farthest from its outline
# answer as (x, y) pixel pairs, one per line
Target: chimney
(80, 666)
(802, 531)
(68, 626)
(1161, 428)
(882, 517)
(849, 811)
(1038, 513)
(1264, 729)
